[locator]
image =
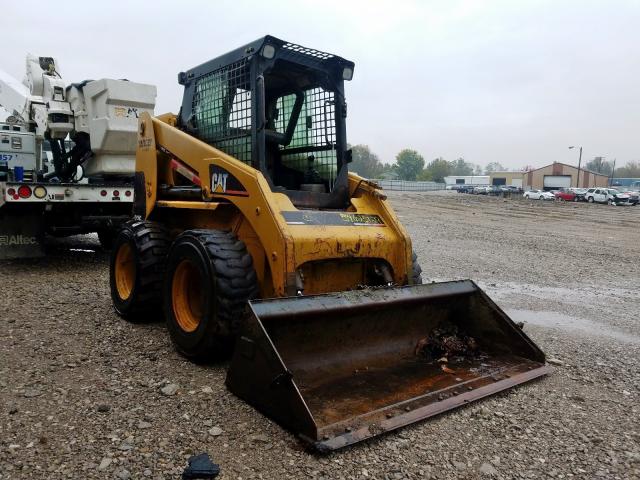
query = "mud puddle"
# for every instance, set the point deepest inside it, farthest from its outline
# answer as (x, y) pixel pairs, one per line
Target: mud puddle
(579, 295)
(571, 324)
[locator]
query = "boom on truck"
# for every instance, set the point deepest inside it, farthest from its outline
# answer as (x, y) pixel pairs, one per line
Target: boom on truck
(67, 155)
(252, 233)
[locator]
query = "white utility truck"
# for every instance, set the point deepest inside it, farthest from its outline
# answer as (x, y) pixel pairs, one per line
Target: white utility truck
(67, 156)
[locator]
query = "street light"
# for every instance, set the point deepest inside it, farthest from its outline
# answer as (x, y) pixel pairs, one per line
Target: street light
(579, 163)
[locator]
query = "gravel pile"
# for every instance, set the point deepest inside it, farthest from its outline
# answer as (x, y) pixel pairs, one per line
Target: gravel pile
(86, 395)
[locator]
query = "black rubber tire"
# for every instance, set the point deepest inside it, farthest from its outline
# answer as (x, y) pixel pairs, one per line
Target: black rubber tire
(416, 270)
(227, 279)
(149, 243)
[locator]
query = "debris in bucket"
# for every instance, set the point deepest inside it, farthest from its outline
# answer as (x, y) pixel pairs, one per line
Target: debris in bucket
(446, 369)
(200, 467)
(444, 342)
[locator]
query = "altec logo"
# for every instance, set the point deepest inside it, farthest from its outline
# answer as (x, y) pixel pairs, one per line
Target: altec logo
(8, 240)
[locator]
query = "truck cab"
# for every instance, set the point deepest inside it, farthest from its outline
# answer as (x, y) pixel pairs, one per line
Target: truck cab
(17, 149)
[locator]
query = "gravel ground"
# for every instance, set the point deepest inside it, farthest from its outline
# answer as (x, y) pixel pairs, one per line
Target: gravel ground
(84, 394)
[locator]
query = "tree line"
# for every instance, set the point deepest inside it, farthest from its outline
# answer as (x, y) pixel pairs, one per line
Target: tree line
(410, 165)
(606, 167)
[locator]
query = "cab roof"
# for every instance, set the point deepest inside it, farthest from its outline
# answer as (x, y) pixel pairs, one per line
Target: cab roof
(283, 50)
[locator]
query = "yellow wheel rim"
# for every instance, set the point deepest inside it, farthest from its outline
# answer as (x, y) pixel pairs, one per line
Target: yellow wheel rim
(186, 296)
(125, 271)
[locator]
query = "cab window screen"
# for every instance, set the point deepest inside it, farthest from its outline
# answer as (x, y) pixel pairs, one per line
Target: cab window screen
(315, 133)
(222, 110)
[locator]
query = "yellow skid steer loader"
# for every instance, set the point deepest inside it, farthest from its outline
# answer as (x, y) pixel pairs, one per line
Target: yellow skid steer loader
(254, 239)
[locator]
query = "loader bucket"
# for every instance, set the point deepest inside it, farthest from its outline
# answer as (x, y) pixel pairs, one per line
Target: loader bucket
(342, 367)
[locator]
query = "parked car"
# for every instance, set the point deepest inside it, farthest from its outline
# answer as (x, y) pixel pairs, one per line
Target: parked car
(616, 197)
(593, 195)
(634, 197)
(538, 195)
(565, 195)
(580, 193)
(510, 190)
(480, 190)
(465, 188)
(607, 195)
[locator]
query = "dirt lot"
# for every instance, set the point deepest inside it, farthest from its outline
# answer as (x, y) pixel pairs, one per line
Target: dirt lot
(81, 390)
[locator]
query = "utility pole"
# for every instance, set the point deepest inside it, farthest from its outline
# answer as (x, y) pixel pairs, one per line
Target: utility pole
(579, 164)
(613, 170)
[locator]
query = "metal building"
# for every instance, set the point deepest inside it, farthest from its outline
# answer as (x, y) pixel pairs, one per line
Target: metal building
(510, 179)
(466, 180)
(561, 175)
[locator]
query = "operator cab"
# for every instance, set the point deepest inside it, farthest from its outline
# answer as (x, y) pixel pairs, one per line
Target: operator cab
(280, 108)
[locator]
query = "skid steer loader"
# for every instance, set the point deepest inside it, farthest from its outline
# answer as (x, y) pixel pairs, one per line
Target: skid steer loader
(254, 239)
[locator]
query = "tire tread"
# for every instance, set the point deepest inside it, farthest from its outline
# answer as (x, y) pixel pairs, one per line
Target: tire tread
(151, 241)
(235, 283)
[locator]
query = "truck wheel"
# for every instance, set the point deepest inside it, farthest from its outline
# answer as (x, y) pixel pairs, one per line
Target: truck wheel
(416, 270)
(209, 278)
(138, 260)
(590, 200)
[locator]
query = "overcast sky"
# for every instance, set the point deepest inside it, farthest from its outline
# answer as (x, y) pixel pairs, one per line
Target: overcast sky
(510, 81)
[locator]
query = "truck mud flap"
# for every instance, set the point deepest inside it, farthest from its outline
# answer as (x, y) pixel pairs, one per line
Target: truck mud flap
(339, 368)
(21, 234)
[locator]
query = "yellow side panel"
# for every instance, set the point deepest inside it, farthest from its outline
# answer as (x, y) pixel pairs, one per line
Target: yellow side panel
(147, 161)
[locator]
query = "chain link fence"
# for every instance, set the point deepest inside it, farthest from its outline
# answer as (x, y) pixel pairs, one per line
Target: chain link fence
(408, 186)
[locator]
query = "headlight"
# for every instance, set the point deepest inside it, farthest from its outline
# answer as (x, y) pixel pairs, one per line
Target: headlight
(268, 51)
